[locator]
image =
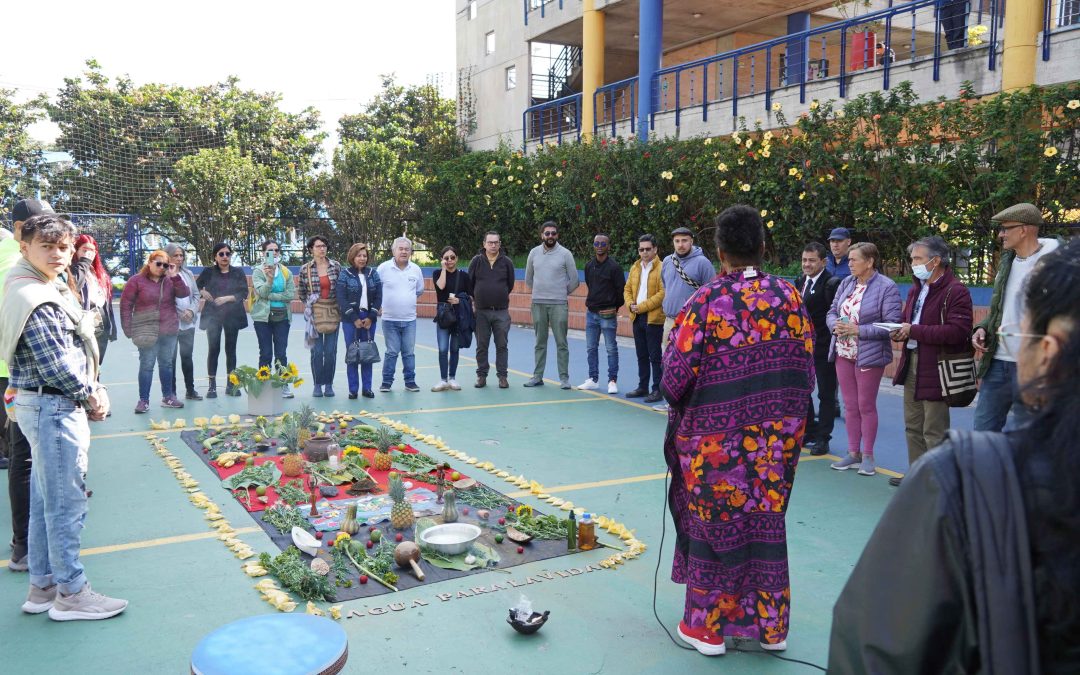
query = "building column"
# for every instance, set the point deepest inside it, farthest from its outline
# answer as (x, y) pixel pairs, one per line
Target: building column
(592, 64)
(650, 51)
(795, 56)
(1023, 22)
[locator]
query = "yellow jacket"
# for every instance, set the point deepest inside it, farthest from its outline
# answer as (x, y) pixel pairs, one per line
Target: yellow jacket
(654, 302)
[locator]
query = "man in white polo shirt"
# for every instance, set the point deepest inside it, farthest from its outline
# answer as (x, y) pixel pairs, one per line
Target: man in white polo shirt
(402, 284)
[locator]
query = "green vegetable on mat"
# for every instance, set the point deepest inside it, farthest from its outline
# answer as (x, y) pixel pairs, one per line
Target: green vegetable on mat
(284, 518)
(339, 566)
(253, 476)
(243, 497)
(537, 527)
(481, 496)
(378, 567)
(297, 576)
(417, 463)
(292, 492)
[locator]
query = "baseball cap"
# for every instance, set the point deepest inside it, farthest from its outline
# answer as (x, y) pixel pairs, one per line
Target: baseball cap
(682, 230)
(25, 209)
(840, 233)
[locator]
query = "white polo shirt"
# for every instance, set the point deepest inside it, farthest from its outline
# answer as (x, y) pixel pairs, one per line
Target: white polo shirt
(400, 289)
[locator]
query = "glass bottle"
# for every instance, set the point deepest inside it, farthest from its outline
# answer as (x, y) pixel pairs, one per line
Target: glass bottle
(571, 532)
(586, 539)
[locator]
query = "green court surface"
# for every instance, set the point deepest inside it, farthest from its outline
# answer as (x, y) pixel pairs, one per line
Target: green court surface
(146, 543)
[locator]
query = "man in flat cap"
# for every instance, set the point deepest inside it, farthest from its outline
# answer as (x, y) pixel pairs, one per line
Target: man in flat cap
(1018, 229)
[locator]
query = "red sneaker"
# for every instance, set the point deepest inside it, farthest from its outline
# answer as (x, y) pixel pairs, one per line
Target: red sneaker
(703, 640)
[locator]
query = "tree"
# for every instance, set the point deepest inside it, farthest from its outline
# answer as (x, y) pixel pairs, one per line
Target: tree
(125, 141)
(218, 194)
(370, 193)
(20, 156)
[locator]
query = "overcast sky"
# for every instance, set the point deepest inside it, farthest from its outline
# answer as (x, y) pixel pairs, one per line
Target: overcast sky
(324, 53)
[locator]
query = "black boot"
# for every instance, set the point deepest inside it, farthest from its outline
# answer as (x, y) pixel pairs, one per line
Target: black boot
(212, 391)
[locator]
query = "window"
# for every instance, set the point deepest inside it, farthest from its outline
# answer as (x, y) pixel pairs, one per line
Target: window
(511, 77)
(1069, 13)
(489, 43)
(472, 9)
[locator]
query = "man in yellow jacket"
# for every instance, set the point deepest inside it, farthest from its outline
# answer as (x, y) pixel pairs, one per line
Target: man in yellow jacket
(644, 295)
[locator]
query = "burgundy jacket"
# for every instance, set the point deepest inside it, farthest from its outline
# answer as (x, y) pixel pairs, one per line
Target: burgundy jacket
(933, 336)
(141, 294)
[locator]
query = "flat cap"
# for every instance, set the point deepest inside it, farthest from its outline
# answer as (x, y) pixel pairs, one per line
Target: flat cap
(840, 233)
(1025, 213)
(682, 230)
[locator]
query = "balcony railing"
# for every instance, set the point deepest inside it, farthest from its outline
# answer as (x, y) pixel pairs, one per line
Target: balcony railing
(614, 103)
(558, 119)
(534, 6)
(1058, 15)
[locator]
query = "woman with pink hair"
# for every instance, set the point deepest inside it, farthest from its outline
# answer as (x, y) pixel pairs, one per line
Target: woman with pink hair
(94, 287)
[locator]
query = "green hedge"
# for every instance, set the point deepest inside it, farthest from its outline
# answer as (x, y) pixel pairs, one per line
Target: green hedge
(884, 164)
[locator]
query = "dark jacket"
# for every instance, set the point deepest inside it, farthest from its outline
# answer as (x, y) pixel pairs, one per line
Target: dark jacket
(349, 292)
(144, 295)
(934, 336)
(492, 284)
(880, 303)
(605, 281)
(946, 582)
(84, 274)
(817, 302)
(232, 314)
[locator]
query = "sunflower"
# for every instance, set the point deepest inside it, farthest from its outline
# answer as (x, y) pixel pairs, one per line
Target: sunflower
(523, 511)
(234, 380)
(351, 450)
(263, 374)
(298, 383)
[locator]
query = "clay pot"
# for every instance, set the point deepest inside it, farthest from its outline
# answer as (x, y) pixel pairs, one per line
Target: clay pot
(315, 450)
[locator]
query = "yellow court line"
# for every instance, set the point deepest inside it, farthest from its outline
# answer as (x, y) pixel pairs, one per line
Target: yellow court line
(150, 543)
(594, 484)
(886, 472)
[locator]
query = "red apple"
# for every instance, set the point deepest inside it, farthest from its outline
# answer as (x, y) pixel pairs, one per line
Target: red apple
(502, 521)
(370, 544)
(371, 529)
(363, 578)
(399, 537)
(521, 549)
(465, 510)
(319, 534)
(273, 441)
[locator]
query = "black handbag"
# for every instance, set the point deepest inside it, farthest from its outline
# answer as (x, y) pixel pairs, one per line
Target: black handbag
(445, 313)
(956, 372)
(362, 352)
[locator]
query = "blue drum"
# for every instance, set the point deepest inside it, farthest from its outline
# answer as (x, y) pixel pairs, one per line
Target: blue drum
(284, 644)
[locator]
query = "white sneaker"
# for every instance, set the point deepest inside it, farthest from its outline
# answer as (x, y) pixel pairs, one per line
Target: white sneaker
(612, 388)
(589, 385)
(778, 647)
(441, 386)
(86, 605)
(287, 393)
(39, 600)
(452, 383)
(660, 407)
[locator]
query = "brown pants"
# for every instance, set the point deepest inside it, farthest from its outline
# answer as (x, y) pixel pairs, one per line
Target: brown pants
(925, 422)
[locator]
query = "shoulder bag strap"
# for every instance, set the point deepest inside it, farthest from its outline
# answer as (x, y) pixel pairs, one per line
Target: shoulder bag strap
(682, 273)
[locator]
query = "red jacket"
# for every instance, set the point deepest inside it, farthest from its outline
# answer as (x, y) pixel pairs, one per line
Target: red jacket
(933, 336)
(142, 294)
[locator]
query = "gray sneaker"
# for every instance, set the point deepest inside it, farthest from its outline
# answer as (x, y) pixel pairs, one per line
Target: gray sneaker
(39, 600)
(533, 382)
(867, 468)
(86, 605)
(17, 564)
(564, 384)
(849, 462)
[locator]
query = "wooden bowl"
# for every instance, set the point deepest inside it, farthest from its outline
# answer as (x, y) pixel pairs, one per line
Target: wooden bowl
(517, 536)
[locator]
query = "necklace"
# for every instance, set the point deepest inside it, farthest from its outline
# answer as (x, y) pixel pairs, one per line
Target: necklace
(1023, 258)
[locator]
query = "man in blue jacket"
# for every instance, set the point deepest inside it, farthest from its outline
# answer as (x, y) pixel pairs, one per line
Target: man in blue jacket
(683, 272)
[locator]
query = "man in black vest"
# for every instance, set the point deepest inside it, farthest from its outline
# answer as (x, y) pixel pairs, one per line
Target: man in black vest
(818, 288)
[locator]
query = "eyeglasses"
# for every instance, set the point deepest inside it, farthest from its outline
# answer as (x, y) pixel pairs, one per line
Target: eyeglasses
(450, 257)
(1011, 331)
(1006, 228)
(551, 233)
(600, 244)
(224, 254)
(492, 243)
(273, 250)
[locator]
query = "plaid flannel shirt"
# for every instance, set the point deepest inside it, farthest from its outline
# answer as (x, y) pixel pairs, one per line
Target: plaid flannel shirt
(308, 279)
(50, 354)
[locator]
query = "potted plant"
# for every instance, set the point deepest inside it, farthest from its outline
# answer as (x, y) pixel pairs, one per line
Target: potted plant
(263, 386)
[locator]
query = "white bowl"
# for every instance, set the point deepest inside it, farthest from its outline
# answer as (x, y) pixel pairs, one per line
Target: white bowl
(451, 538)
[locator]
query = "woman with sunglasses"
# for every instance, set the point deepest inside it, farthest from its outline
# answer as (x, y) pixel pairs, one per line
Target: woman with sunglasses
(451, 285)
(94, 287)
(271, 314)
(223, 289)
(148, 317)
(988, 578)
(359, 297)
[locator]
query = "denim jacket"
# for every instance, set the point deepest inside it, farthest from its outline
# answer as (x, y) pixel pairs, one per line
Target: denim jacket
(349, 292)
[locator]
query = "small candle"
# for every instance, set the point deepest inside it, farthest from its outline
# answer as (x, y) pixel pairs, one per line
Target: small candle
(334, 463)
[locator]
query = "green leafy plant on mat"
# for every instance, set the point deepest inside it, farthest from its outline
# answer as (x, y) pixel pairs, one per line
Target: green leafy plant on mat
(253, 476)
(416, 464)
(284, 518)
(537, 527)
(340, 567)
(295, 574)
(292, 492)
(378, 566)
(481, 496)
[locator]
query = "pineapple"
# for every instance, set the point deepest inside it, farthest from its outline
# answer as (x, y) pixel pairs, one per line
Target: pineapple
(306, 421)
(293, 463)
(401, 514)
(384, 438)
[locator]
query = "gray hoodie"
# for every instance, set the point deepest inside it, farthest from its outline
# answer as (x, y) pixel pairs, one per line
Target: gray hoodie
(676, 290)
(551, 274)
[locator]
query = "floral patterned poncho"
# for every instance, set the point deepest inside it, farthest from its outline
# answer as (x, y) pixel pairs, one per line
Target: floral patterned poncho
(737, 375)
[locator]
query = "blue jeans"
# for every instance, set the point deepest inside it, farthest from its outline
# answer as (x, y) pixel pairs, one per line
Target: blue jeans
(999, 394)
(59, 438)
(324, 358)
(594, 326)
(400, 338)
(164, 353)
(273, 341)
(448, 353)
(352, 334)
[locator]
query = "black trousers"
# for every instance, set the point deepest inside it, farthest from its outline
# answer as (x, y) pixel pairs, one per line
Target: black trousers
(492, 323)
(647, 345)
(954, 22)
(213, 345)
(18, 487)
(185, 345)
(819, 427)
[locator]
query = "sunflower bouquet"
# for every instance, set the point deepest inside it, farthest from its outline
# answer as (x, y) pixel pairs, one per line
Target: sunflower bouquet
(252, 380)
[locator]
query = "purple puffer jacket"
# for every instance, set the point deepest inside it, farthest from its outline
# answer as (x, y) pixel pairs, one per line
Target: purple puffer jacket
(880, 303)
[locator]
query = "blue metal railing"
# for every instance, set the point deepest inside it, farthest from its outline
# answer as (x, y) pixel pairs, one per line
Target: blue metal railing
(558, 118)
(621, 94)
(534, 5)
(1058, 15)
(856, 46)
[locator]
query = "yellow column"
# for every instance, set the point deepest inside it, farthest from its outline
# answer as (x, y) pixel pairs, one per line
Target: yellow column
(1023, 21)
(592, 63)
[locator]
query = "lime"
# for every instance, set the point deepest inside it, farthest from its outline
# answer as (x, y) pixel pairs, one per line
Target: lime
(261, 491)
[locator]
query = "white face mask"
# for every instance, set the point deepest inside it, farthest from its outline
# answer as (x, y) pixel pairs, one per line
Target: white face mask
(921, 272)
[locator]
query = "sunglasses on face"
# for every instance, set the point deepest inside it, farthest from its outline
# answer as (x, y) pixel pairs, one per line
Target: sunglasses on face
(551, 234)
(645, 250)
(158, 263)
(450, 257)
(600, 244)
(224, 254)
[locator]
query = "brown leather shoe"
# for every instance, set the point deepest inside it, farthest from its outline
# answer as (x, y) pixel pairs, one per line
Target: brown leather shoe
(481, 382)
(503, 384)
